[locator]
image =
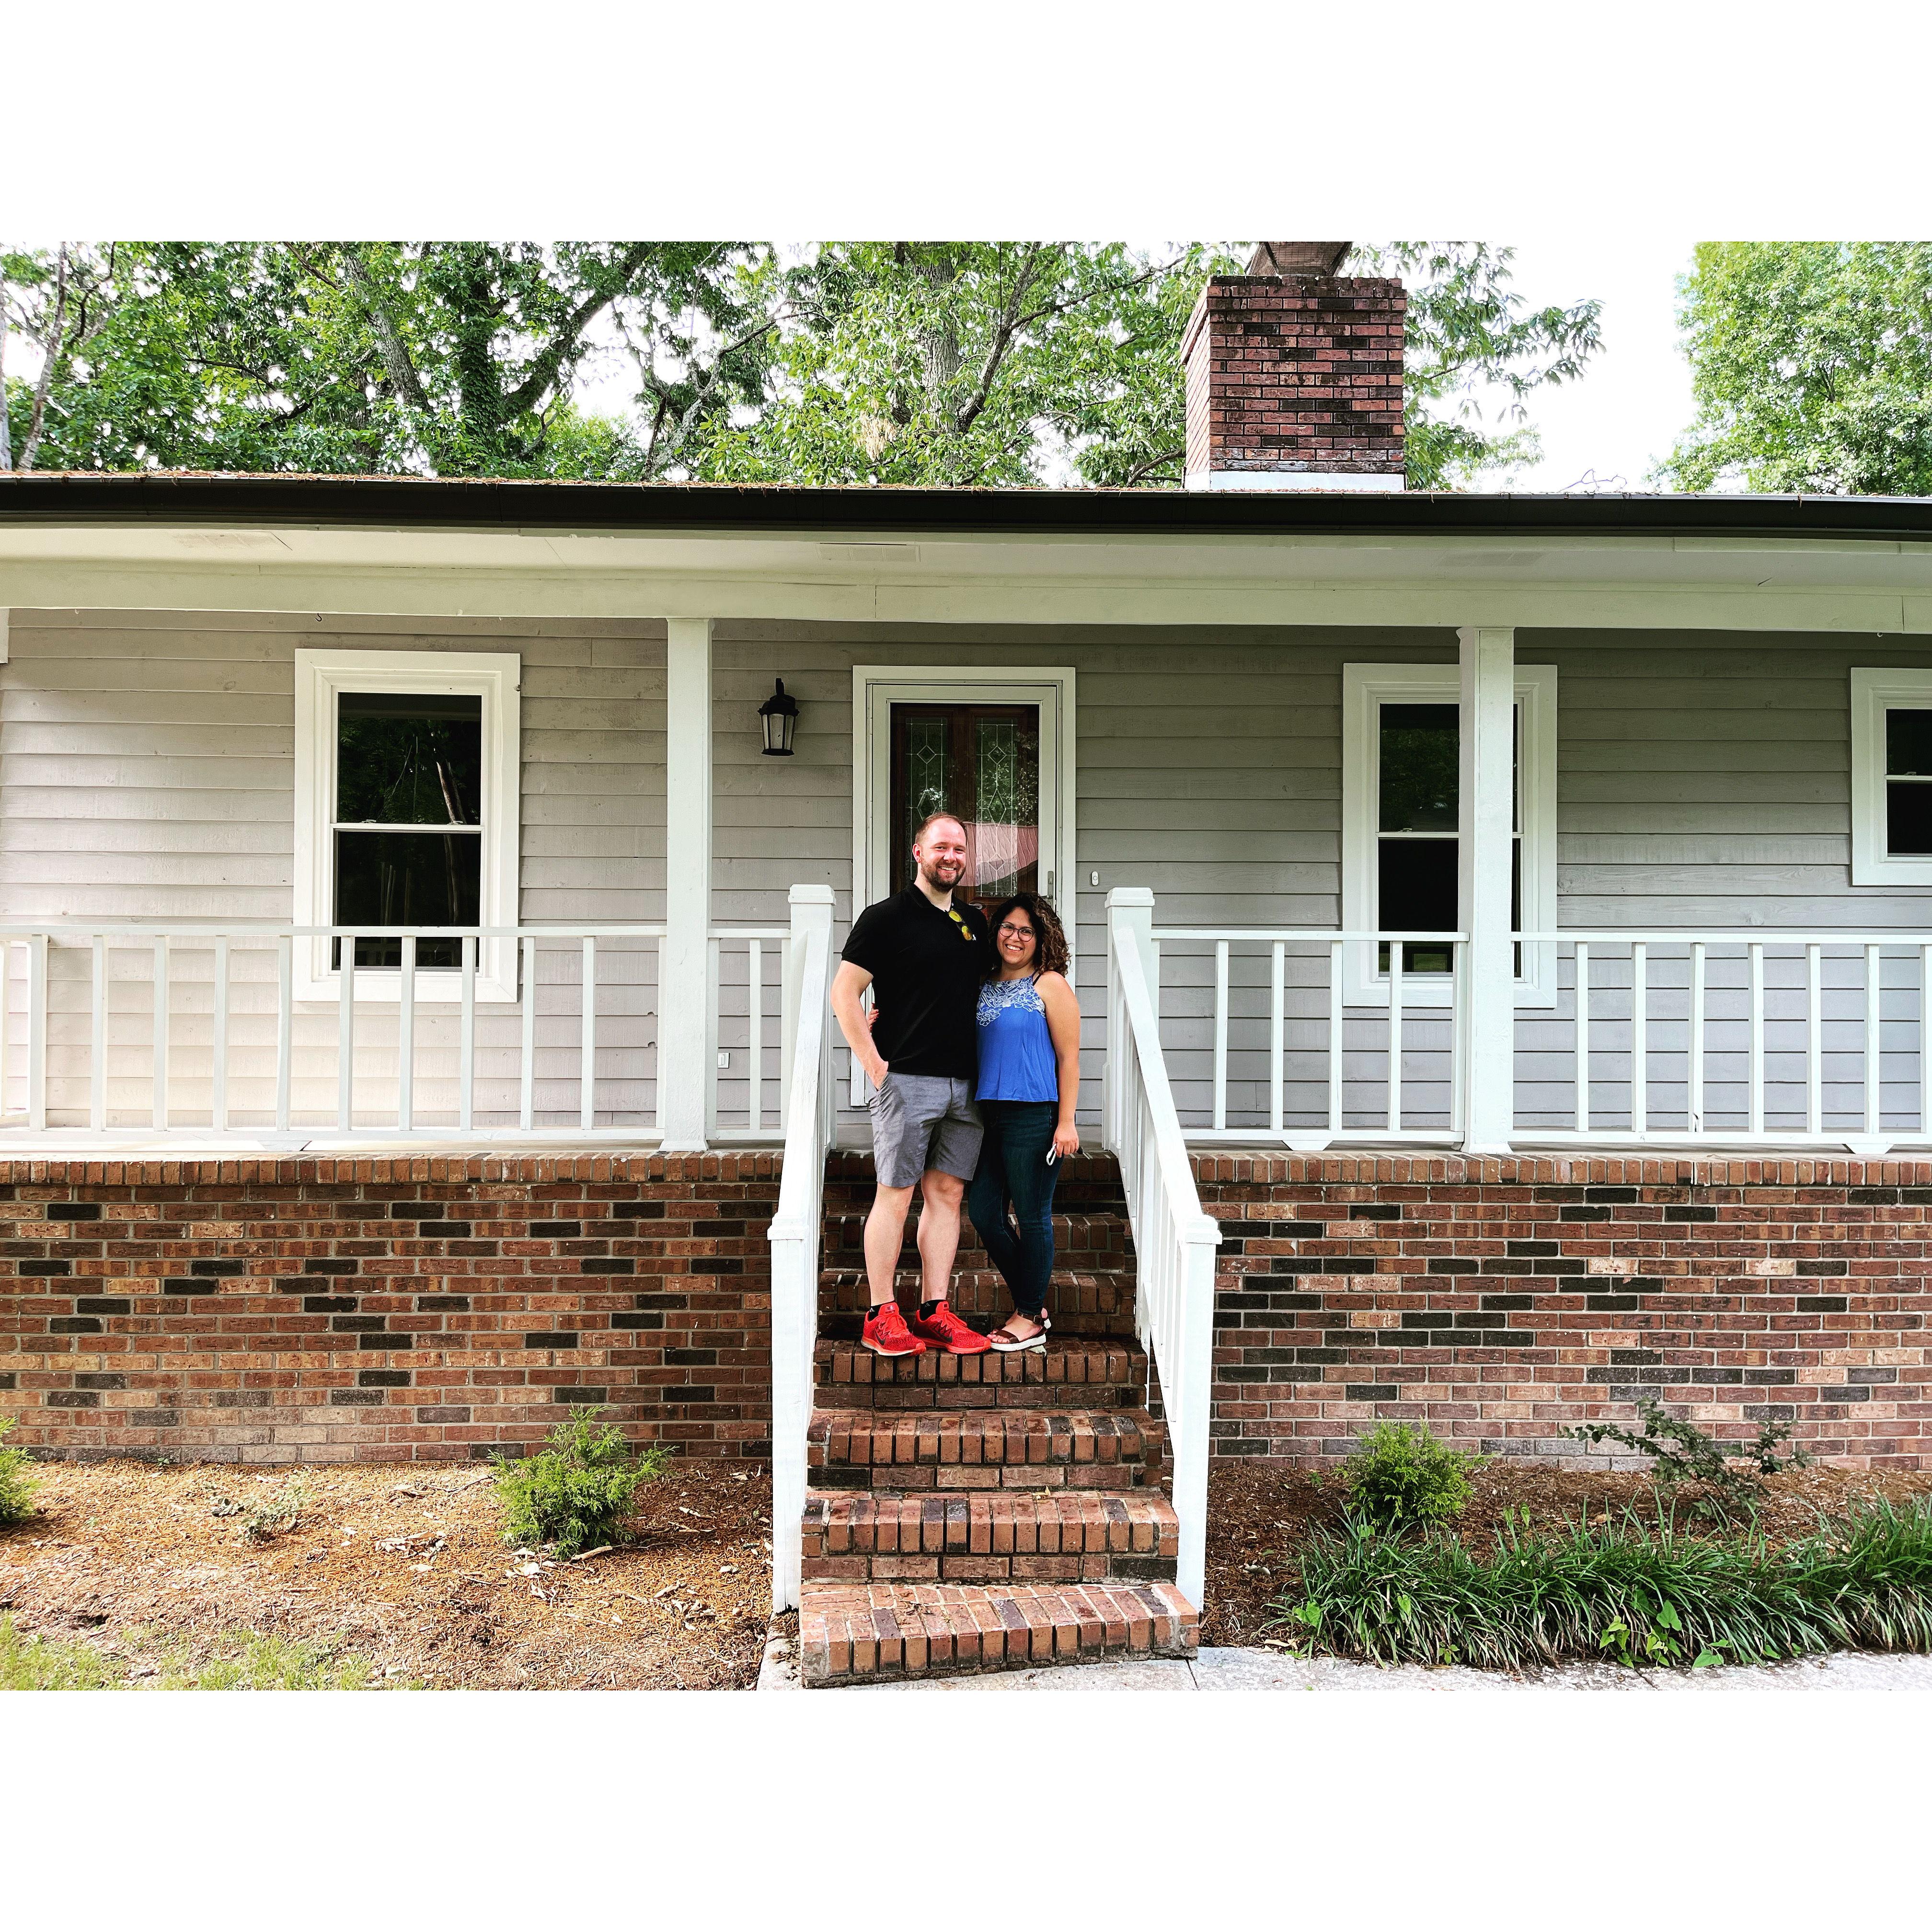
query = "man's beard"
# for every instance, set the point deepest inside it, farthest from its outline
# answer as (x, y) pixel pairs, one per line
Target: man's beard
(930, 874)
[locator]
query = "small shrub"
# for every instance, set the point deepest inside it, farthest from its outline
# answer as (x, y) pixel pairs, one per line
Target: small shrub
(276, 1512)
(1400, 1477)
(16, 1486)
(577, 1493)
(1682, 1453)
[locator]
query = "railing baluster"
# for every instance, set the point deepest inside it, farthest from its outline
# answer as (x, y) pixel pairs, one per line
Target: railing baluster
(1395, 1037)
(37, 1033)
(217, 1112)
(1695, 1116)
(465, 1043)
(159, 1111)
(1336, 1021)
(1220, 1034)
(1925, 1040)
(754, 1002)
(345, 1039)
(1874, 1046)
(1755, 1099)
(6, 1018)
(97, 1067)
(285, 1009)
(406, 1038)
(1640, 1037)
(587, 1093)
(526, 1071)
(1277, 1015)
(1583, 1037)
(1458, 988)
(1814, 1040)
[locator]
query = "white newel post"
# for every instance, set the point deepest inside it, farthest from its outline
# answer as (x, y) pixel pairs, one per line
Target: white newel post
(683, 1033)
(1487, 826)
(1129, 922)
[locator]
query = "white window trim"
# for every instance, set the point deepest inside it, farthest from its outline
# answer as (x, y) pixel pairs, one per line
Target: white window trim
(495, 677)
(1365, 688)
(1874, 692)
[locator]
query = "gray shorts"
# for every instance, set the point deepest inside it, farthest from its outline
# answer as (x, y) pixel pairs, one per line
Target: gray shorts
(922, 1120)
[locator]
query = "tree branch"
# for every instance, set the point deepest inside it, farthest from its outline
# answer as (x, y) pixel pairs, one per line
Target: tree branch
(50, 355)
(543, 372)
(395, 351)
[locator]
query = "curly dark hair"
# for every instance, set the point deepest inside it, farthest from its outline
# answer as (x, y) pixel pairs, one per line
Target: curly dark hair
(1050, 953)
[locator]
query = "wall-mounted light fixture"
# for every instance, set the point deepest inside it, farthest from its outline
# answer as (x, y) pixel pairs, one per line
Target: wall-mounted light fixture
(780, 714)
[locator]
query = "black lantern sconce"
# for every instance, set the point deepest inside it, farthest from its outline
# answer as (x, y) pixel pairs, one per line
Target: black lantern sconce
(780, 714)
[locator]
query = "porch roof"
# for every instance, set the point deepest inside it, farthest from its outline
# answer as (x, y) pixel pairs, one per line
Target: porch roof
(493, 503)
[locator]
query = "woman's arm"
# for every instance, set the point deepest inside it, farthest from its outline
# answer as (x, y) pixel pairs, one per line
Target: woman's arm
(1063, 1023)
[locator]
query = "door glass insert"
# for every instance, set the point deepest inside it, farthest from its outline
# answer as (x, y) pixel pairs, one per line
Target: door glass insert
(981, 763)
(405, 763)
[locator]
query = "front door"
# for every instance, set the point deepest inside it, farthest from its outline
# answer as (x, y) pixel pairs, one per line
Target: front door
(981, 763)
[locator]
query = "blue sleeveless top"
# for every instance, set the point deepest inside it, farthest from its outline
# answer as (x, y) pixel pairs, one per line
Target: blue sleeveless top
(1016, 1057)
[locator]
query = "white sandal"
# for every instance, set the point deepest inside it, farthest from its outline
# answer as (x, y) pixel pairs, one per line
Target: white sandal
(1005, 1343)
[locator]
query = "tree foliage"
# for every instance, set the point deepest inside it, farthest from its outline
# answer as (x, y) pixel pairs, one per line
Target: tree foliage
(935, 363)
(1811, 363)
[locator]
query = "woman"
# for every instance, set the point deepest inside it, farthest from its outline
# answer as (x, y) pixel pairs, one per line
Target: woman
(1029, 1085)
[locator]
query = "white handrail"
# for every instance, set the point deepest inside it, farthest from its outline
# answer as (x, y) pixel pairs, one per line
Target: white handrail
(794, 1232)
(1173, 1240)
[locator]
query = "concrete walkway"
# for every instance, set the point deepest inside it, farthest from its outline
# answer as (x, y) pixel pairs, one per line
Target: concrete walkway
(1231, 1669)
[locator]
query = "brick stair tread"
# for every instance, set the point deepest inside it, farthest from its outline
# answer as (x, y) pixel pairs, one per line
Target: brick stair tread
(1020, 1443)
(1086, 1362)
(1071, 1233)
(995, 1523)
(867, 1632)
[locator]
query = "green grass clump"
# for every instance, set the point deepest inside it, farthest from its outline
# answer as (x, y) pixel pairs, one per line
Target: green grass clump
(1399, 1478)
(240, 1660)
(1627, 1592)
(575, 1494)
(16, 1486)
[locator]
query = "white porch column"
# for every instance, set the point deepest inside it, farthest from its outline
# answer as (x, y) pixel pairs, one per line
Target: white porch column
(1487, 826)
(683, 1031)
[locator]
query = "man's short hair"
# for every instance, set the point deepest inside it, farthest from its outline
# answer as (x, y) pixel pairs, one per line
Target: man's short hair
(933, 818)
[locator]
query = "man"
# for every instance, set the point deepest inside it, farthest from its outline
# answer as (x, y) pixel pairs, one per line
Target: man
(927, 958)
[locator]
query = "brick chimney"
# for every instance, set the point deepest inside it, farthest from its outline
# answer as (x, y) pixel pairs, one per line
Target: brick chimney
(1295, 376)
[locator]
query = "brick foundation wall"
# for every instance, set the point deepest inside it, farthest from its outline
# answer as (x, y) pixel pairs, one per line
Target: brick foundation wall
(1292, 373)
(332, 1310)
(1500, 1300)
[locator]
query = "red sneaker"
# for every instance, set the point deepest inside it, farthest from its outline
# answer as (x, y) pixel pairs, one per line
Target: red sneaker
(945, 1330)
(885, 1334)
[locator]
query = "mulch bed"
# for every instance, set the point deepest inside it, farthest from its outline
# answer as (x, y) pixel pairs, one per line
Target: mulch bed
(1257, 1511)
(404, 1563)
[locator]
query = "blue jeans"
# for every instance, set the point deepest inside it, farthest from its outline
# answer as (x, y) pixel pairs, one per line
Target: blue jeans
(1014, 1171)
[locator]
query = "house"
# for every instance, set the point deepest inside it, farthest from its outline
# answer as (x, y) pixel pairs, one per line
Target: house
(1499, 922)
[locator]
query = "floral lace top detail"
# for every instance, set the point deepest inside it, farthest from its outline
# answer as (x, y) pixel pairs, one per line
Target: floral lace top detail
(1001, 996)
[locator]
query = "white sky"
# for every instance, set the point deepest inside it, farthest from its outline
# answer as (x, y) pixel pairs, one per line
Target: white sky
(1635, 400)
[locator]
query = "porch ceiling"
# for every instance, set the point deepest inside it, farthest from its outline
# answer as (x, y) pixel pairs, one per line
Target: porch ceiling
(407, 548)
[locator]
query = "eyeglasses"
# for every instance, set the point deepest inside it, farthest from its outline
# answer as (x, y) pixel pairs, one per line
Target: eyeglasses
(1016, 932)
(965, 931)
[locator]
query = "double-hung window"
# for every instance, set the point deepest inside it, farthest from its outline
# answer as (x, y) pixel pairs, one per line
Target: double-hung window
(1891, 778)
(406, 816)
(1401, 831)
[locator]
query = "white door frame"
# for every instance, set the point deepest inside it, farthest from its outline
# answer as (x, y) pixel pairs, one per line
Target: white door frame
(876, 688)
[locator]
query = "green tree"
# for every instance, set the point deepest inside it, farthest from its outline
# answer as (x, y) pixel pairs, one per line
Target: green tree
(1811, 363)
(457, 358)
(1008, 363)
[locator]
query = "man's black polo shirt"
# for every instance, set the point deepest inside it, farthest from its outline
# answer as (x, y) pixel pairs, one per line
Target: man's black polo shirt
(927, 969)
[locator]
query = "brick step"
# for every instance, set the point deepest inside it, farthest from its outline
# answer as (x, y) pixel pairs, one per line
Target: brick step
(870, 1633)
(1107, 1372)
(1074, 1235)
(1067, 1536)
(1082, 1301)
(1089, 1183)
(985, 1449)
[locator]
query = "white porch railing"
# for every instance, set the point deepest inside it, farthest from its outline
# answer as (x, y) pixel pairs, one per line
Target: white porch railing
(1784, 1038)
(794, 1232)
(172, 1029)
(1173, 1240)
(1284, 1054)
